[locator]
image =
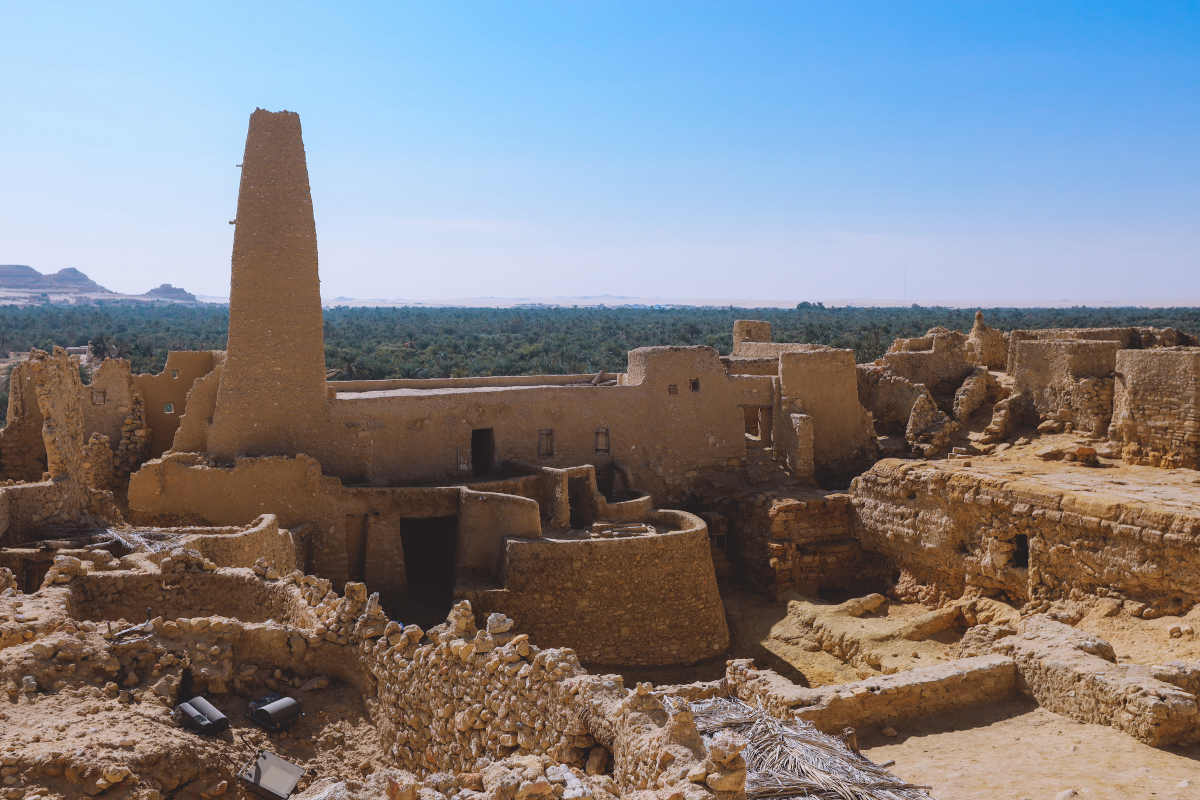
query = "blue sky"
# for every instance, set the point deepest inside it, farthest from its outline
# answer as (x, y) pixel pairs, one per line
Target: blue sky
(893, 152)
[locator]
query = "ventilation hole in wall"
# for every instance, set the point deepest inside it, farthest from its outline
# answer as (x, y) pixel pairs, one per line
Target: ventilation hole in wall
(912, 495)
(169, 408)
(99, 397)
(694, 384)
(672, 388)
(1020, 556)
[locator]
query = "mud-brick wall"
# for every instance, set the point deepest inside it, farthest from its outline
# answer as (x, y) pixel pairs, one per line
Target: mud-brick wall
(22, 454)
(1023, 540)
(791, 544)
(1156, 408)
(644, 600)
(1068, 380)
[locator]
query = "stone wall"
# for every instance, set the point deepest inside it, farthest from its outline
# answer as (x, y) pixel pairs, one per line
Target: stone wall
(1156, 409)
(939, 360)
(642, 600)
(785, 543)
(22, 454)
(948, 530)
(823, 384)
(1067, 381)
(1135, 338)
(882, 700)
(166, 394)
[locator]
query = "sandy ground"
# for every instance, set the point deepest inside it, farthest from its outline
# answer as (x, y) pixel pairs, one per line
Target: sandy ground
(1017, 751)
(1148, 641)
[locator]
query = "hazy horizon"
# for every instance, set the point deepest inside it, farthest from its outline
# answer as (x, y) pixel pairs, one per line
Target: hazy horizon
(936, 153)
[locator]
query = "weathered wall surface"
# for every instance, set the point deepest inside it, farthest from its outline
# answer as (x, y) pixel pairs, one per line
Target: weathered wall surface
(645, 600)
(1135, 338)
(22, 454)
(166, 394)
(786, 543)
(987, 346)
(675, 412)
(953, 529)
(272, 394)
(939, 360)
(1067, 380)
(1156, 408)
(824, 385)
(886, 699)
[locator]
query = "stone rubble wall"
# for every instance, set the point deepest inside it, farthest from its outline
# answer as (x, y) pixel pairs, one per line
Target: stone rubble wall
(22, 454)
(1135, 338)
(882, 700)
(950, 531)
(645, 600)
(1067, 381)
(1156, 410)
(785, 543)
(1075, 674)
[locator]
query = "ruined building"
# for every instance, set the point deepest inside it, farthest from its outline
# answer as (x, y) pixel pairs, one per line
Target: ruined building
(442, 570)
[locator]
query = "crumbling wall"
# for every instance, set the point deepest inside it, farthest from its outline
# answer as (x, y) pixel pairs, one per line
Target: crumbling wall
(1156, 408)
(1067, 381)
(22, 453)
(191, 427)
(938, 360)
(823, 384)
(166, 394)
(882, 700)
(1075, 674)
(647, 600)
(804, 544)
(949, 531)
(987, 346)
(1135, 338)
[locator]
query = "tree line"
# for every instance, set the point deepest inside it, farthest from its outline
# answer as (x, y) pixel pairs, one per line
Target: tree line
(377, 343)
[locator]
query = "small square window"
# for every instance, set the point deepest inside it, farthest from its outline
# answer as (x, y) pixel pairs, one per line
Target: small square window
(545, 443)
(694, 384)
(672, 388)
(169, 408)
(99, 397)
(174, 374)
(603, 444)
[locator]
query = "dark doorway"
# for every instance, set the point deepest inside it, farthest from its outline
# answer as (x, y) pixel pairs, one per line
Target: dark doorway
(483, 451)
(429, 549)
(1020, 557)
(583, 503)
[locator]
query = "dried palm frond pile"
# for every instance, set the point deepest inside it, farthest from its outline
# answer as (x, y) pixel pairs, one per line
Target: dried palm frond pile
(795, 760)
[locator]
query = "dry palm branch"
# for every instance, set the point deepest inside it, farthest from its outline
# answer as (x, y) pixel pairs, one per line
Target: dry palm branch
(795, 760)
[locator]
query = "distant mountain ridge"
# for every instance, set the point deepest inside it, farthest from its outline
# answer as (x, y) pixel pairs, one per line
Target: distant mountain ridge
(20, 276)
(21, 284)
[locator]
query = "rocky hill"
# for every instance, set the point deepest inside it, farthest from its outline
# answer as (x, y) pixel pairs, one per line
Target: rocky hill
(24, 285)
(168, 292)
(19, 276)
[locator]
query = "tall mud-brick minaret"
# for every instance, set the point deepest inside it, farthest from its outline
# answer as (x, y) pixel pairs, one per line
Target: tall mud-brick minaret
(271, 399)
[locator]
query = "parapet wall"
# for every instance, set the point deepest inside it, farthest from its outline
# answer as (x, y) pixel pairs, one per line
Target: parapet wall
(1156, 408)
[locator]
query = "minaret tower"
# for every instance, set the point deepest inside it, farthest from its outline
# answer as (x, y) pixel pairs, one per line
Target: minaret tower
(272, 398)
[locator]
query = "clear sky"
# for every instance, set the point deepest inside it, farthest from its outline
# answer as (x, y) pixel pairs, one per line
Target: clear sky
(1041, 152)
